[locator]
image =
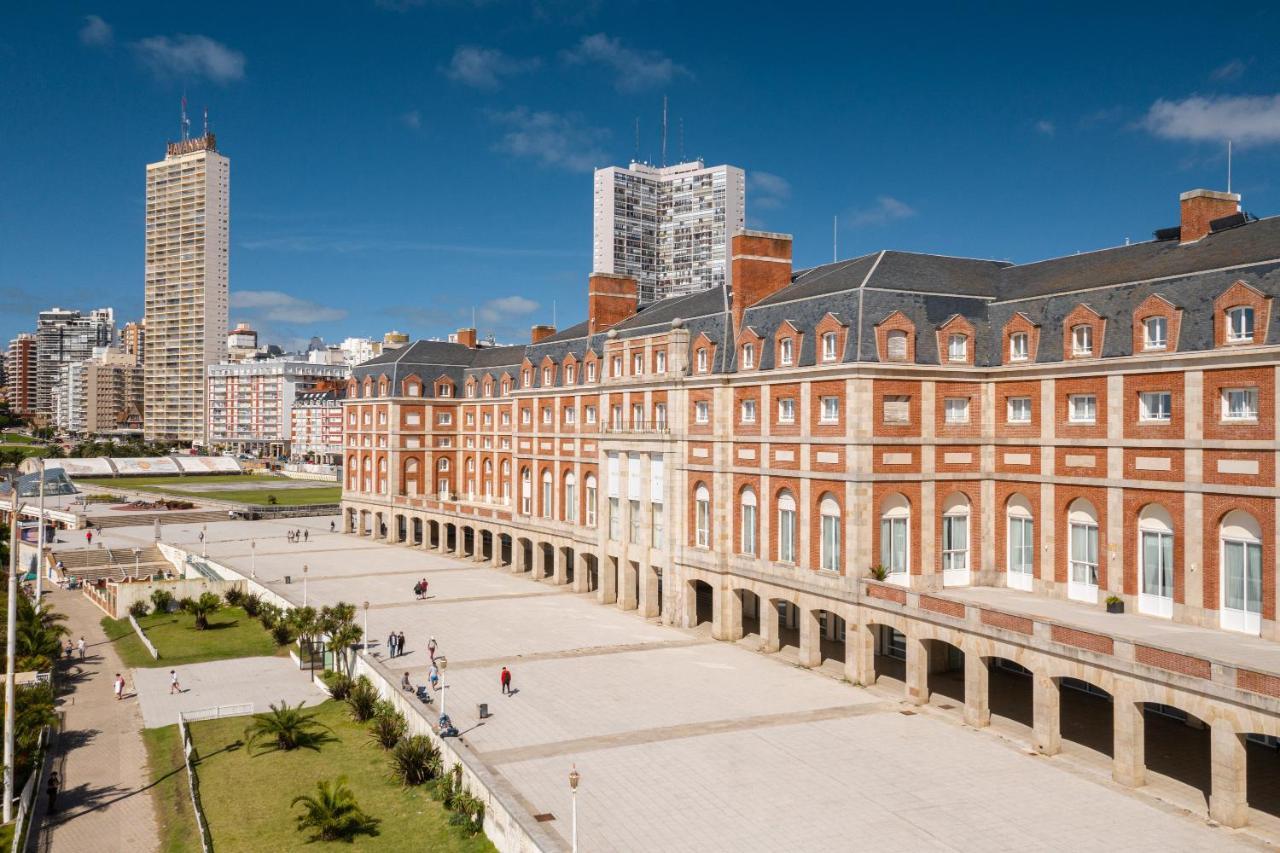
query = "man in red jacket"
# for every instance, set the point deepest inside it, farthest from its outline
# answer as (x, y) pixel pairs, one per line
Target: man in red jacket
(505, 678)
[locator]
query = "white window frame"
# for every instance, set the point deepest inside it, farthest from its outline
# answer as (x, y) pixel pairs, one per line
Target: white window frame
(661, 361)
(702, 359)
(590, 496)
(1246, 413)
(1155, 563)
(1082, 568)
(829, 548)
(957, 347)
(829, 346)
(750, 522)
(1155, 333)
(957, 540)
(895, 531)
(1019, 346)
(702, 517)
(701, 412)
(829, 413)
(1021, 544)
(956, 410)
(1155, 407)
(1240, 324)
(786, 352)
(748, 356)
(747, 412)
(1014, 410)
(1082, 340)
(1073, 415)
(788, 531)
(786, 410)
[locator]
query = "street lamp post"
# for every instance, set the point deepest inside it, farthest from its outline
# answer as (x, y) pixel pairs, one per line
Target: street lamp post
(12, 652)
(574, 778)
(204, 541)
(40, 538)
(304, 586)
(253, 559)
(366, 626)
(137, 560)
(442, 664)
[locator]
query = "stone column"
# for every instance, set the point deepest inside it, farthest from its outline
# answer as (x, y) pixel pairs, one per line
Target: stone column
(581, 573)
(627, 585)
(1046, 715)
(560, 570)
(810, 638)
(495, 558)
(917, 670)
(732, 616)
(607, 593)
(770, 638)
(859, 654)
(1129, 762)
(1228, 802)
(520, 557)
(649, 605)
(977, 691)
(717, 611)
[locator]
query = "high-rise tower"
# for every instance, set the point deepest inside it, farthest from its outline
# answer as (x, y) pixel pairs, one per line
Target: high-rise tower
(188, 228)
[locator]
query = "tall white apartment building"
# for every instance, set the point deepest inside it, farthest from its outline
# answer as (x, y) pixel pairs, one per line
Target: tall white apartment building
(186, 306)
(251, 403)
(65, 336)
(668, 227)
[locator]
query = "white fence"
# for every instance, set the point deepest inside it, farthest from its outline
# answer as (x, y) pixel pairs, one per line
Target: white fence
(189, 748)
(242, 709)
(26, 803)
(138, 629)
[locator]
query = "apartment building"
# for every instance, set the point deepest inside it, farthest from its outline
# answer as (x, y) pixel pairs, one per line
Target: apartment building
(186, 284)
(133, 337)
(20, 375)
(64, 337)
(937, 472)
(251, 403)
(101, 395)
(315, 433)
(668, 227)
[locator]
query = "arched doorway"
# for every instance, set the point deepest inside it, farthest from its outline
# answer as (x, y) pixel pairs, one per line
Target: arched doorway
(946, 673)
(1177, 747)
(1086, 715)
(701, 604)
(831, 641)
(749, 603)
(1010, 692)
(889, 655)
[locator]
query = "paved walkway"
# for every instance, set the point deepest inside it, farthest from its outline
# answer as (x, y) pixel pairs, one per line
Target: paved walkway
(104, 803)
(254, 681)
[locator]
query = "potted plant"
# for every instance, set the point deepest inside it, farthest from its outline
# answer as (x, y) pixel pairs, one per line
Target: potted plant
(878, 572)
(1115, 604)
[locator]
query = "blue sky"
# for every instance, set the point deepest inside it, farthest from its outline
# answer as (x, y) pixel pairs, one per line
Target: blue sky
(399, 164)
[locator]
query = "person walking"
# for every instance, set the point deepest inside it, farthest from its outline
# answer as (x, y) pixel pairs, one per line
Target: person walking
(505, 678)
(119, 686)
(332, 527)
(173, 682)
(425, 587)
(434, 677)
(51, 789)
(306, 535)
(391, 644)
(88, 537)
(400, 644)
(80, 647)
(417, 590)
(431, 649)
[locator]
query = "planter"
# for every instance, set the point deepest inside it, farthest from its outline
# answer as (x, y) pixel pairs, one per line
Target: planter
(1115, 606)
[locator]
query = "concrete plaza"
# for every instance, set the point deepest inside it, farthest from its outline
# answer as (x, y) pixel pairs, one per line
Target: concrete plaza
(685, 743)
(258, 681)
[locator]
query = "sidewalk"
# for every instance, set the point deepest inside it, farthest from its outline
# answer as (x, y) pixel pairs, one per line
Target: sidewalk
(104, 803)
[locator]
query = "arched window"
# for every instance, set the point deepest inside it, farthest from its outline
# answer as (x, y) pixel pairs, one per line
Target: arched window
(1155, 561)
(1241, 573)
(786, 527)
(1082, 551)
(570, 498)
(702, 516)
(443, 464)
(829, 509)
(382, 476)
(526, 492)
(1022, 548)
(353, 471)
(749, 521)
(410, 486)
(546, 494)
(368, 474)
(589, 487)
(896, 345)
(895, 537)
(955, 540)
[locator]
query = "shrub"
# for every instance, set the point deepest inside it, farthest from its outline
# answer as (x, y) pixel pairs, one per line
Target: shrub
(282, 633)
(268, 615)
(388, 727)
(362, 700)
(272, 500)
(234, 597)
(252, 604)
(468, 813)
(161, 598)
(333, 813)
(338, 683)
(287, 729)
(138, 609)
(415, 761)
(202, 608)
(184, 603)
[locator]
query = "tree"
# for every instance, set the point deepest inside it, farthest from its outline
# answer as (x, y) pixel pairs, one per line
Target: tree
(341, 641)
(305, 622)
(287, 729)
(202, 608)
(333, 813)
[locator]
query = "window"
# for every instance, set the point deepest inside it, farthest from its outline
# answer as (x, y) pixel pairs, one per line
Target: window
(615, 523)
(702, 412)
(1240, 404)
(615, 416)
(526, 416)
(637, 364)
(830, 412)
(702, 359)
(506, 419)
(1241, 573)
(590, 414)
(660, 362)
(829, 551)
(446, 390)
(526, 493)
(1155, 333)
(1018, 410)
(895, 540)
(1083, 408)
(786, 528)
(570, 416)
(785, 352)
(958, 348)
(633, 512)
(1155, 561)
(591, 372)
(570, 374)
(546, 494)
(786, 411)
(1155, 406)
(637, 416)
(570, 498)
(546, 414)
(897, 409)
(828, 346)
(748, 414)
(655, 525)
(749, 522)
(617, 366)
(660, 415)
(1240, 325)
(702, 517)
(1021, 534)
(955, 539)
(1018, 346)
(896, 345)
(748, 356)
(1082, 551)
(590, 490)
(956, 410)
(1082, 340)
(546, 376)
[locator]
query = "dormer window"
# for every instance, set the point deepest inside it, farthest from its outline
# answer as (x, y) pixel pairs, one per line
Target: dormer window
(748, 356)
(1155, 333)
(506, 387)
(1082, 340)
(1240, 325)
(786, 352)
(546, 376)
(471, 389)
(528, 378)
(446, 390)
(896, 345)
(829, 346)
(591, 372)
(1018, 346)
(414, 389)
(701, 359)
(957, 348)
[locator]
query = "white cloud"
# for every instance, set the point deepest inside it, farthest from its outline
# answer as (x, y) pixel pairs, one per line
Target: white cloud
(767, 190)
(186, 56)
(636, 70)
(1232, 70)
(279, 307)
(886, 209)
(552, 139)
(1046, 127)
(1245, 119)
(96, 32)
(484, 67)
(505, 308)
(412, 119)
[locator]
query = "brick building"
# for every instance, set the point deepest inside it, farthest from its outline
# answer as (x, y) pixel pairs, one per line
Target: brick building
(899, 463)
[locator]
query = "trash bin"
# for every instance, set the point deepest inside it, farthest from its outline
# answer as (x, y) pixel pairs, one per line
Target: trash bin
(288, 578)
(484, 710)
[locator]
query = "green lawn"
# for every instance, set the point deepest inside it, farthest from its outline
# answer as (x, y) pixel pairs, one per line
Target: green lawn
(17, 438)
(231, 634)
(247, 798)
(6, 835)
(178, 830)
(256, 490)
(284, 497)
(175, 480)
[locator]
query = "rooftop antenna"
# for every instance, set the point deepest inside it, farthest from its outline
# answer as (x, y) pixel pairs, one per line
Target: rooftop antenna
(835, 239)
(680, 136)
(664, 130)
(1228, 165)
(186, 122)
(637, 157)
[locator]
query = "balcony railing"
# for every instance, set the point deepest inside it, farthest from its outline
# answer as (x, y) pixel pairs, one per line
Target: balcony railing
(640, 425)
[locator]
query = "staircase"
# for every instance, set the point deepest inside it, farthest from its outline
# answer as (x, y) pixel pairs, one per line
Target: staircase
(135, 519)
(91, 564)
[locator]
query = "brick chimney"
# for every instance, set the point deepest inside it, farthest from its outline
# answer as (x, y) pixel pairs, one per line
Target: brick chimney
(610, 300)
(467, 337)
(761, 266)
(539, 333)
(1200, 207)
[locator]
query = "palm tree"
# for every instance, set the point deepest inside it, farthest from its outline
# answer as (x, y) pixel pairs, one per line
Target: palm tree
(202, 608)
(333, 813)
(305, 623)
(287, 728)
(342, 639)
